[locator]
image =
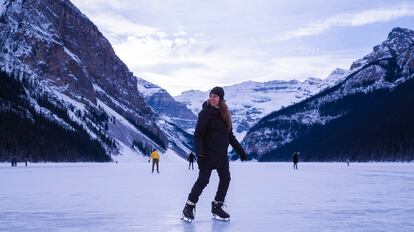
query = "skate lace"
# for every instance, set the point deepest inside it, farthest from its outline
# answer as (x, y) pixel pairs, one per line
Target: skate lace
(220, 206)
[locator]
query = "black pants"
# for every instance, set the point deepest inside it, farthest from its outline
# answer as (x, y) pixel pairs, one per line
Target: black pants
(190, 164)
(295, 165)
(155, 162)
(203, 180)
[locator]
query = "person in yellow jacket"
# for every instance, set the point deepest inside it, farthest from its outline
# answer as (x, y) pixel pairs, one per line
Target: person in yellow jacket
(155, 156)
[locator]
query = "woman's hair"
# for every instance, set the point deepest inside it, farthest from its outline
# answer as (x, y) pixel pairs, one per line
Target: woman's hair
(225, 114)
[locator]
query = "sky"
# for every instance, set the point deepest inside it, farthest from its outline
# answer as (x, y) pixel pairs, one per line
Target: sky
(197, 44)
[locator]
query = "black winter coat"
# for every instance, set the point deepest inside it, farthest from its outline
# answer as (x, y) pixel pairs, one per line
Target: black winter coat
(212, 139)
(191, 157)
(295, 158)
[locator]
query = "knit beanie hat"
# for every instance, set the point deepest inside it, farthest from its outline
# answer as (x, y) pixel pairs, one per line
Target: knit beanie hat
(218, 91)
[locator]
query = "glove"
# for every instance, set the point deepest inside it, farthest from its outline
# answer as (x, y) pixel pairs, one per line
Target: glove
(149, 161)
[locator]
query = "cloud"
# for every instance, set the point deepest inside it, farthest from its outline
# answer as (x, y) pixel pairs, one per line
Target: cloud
(176, 61)
(351, 20)
(141, 45)
(303, 67)
(118, 27)
(201, 54)
(229, 68)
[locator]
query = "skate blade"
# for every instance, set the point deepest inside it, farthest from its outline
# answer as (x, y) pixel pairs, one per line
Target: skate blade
(216, 217)
(186, 219)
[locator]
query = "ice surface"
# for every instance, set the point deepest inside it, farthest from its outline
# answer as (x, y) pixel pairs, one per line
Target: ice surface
(262, 197)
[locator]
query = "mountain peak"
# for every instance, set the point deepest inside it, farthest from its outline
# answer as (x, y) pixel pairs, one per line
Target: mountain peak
(399, 41)
(338, 71)
(399, 32)
(192, 91)
(313, 81)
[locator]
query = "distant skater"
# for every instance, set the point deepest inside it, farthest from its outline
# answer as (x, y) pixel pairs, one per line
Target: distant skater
(191, 159)
(14, 161)
(295, 159)
(14, 157)
(155, 156)
(26, 159)
(347, 162)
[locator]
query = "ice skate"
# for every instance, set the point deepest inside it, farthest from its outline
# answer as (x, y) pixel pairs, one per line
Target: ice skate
(218, 212)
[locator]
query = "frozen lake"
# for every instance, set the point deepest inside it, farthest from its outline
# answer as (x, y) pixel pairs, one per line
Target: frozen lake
(262, 197)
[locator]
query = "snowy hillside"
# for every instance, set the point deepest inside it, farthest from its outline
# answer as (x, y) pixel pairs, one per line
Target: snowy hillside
(166, 106)
(61, 54)
(250, 101)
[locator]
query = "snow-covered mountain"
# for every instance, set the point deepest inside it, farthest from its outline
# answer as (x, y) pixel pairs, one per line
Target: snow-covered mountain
(59, 53)
(367, 116)
(165, 105)
(250, 101)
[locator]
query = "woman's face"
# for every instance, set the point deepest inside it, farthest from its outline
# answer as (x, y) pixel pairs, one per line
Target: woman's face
(214, 100)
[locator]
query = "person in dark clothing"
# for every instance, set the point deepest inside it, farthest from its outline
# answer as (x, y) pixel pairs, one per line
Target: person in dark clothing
(14, 157)
(191, 159)
(14, 161)
(295, 159)
(26, 159)
(213, 135)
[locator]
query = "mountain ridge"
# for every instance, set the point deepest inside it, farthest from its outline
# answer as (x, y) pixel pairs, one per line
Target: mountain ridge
(388, 67)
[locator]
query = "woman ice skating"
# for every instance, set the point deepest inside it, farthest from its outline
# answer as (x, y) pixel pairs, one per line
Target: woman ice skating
(213, 134)
(155, 156)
